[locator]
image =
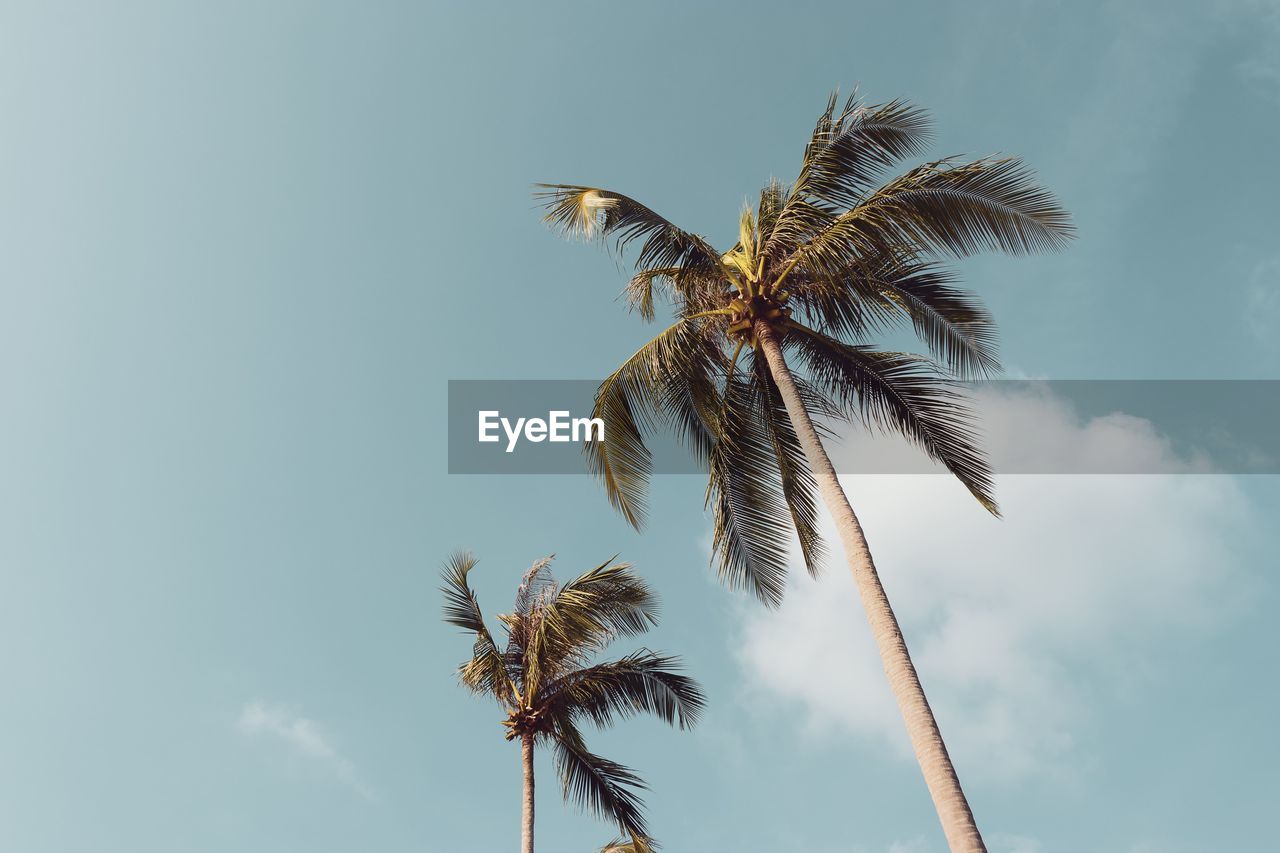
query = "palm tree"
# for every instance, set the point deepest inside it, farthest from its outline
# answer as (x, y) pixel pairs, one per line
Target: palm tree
(548, 685)
(820, 267)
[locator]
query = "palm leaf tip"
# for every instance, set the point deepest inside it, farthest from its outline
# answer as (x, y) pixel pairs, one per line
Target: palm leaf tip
(460, 605)
(575, 210)
(588, 212)
(486, 671)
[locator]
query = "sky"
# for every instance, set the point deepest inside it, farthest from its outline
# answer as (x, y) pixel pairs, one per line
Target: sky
(246, 245)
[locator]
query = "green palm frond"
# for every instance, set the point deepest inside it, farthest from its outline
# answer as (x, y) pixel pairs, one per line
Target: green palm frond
(486, 671)
(583, 616)
(761, 491)
(942, 208)
(603, 787)
(643, 682)
(594, 212)
(536, 584)
(881, 291)
(460, 605)
(773, 200)
(903, 393)
(799, 490)
(849, 150)
(960, 209)
(641, 289)
(954, 324)
(666, 382)
(750, 530)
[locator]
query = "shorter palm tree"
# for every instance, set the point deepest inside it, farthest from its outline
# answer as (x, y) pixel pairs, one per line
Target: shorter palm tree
(548, 684)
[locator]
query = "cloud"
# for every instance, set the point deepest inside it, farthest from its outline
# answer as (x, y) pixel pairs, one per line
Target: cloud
(303, 736)
(1016, 625)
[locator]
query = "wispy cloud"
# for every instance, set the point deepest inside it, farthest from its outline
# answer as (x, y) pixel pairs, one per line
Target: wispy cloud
(1015, 624)
(303, 736)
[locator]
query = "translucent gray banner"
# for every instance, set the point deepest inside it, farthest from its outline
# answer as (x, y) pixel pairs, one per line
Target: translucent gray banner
(1027, 426)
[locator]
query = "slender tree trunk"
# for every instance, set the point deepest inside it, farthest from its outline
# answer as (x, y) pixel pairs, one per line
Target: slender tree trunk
(526, 822)
(931, 753)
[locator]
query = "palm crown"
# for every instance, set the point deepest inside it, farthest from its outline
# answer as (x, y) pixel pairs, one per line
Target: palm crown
(823, 265)
(547, 682)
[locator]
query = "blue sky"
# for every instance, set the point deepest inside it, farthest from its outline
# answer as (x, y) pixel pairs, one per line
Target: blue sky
(247, 244)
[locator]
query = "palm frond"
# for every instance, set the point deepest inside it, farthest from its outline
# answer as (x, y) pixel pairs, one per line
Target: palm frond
(461, 607)
(902, 393)
(877, 293)
(751, 528)
(536, 583)
(601, 786)
(847, 151)
(640, 290)
(941, 208)
(799, 489)
(486, 671)
(610, 600)
(643, 682)
(954, 324)
(667, 381)
(583, 616)
(594, 212)
(961, 209)
(773, 200)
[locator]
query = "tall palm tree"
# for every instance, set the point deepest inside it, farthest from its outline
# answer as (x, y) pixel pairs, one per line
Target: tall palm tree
(821, 266)
(547, 682)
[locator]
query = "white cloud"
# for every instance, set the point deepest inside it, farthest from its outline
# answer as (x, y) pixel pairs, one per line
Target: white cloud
(1014, 624)
(304, 736)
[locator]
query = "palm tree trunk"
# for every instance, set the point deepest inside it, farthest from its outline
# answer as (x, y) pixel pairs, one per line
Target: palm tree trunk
(931, 753)
(526, 822)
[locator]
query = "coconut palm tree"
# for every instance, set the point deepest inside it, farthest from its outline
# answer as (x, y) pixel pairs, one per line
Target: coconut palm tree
(821, 267)
(548, 684)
